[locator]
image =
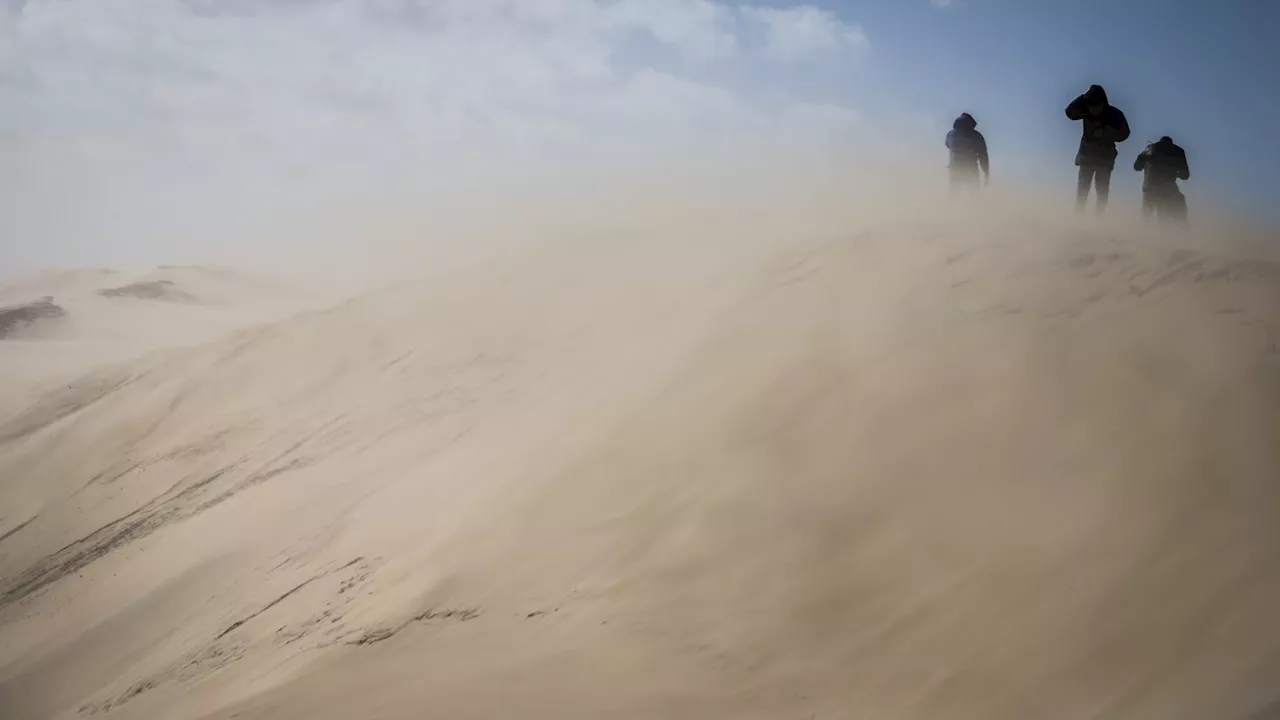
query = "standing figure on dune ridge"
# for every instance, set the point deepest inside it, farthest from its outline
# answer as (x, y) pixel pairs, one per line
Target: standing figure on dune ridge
(1162, 165)
(968, 154)
(1103, 126)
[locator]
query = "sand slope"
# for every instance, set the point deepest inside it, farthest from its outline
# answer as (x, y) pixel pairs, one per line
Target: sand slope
(107, 315)
(903, 472)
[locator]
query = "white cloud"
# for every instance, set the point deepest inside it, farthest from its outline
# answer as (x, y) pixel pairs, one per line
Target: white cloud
(132, 117)
(700, 28)
(807, 33)
(292, 74)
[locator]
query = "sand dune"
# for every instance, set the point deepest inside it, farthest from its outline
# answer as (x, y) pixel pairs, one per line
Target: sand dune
(906, 470)
(14, 319)
(150, 290)
(109, 315)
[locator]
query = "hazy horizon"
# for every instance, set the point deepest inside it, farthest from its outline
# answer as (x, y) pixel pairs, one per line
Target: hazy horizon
(140, 132)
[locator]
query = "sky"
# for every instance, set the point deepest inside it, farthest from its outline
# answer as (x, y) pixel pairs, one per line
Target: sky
(151, 131)
(1203, 73)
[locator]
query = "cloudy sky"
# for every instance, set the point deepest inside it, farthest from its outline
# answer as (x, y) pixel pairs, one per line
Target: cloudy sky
(135, 129)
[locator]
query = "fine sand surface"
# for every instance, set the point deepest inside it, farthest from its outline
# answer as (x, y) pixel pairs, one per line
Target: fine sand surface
(914, 468)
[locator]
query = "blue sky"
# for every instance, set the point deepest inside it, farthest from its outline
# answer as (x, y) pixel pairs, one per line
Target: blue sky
(1205, 73)
(153, 130)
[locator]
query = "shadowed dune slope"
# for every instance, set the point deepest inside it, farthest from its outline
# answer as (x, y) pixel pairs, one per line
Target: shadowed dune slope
(15, 318)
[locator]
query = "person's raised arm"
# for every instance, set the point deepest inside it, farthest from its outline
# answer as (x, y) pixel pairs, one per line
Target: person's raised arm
(1077, 109)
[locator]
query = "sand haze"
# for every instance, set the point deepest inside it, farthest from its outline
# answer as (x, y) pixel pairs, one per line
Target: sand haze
(343, 399)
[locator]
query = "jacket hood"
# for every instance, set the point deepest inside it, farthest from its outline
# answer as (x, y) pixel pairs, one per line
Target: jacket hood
(964, 122)
(1096, 94)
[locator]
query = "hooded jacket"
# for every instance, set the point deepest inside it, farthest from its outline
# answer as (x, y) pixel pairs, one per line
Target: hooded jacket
(1163, 164)
(968, 147)
(1099, 133)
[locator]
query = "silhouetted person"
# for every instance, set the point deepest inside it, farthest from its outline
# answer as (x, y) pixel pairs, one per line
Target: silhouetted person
(1103, 127)
(1162, 165)
(968, 154)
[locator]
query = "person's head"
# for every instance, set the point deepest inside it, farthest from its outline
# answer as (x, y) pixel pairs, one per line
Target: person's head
(1095, 100)
(965, 122)
(1166, 140)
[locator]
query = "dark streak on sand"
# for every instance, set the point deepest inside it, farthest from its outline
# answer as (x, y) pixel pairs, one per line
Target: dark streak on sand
(377, 635)
(266, 607)
(280, 599)
(79, 553)
(154, 515)
(14, 531)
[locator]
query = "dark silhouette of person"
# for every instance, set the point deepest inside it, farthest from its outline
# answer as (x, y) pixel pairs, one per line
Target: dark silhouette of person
(1103, 125)
(968, 154)
(1162, 165)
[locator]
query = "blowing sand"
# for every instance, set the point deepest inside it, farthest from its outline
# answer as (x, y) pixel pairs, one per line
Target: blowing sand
(909, 469)
(58, 324)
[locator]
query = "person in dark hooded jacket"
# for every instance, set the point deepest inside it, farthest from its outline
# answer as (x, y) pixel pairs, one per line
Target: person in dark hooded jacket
(968, 153)
(1103, 125)
(1162, 165)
